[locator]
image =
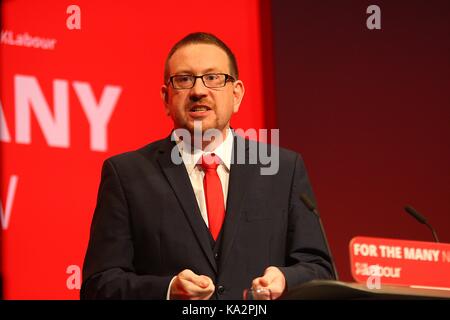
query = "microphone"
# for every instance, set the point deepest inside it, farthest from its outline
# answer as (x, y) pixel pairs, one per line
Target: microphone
(312, 207)
(416, 215)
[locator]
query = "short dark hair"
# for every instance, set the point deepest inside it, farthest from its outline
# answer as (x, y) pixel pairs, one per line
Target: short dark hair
(202, 38)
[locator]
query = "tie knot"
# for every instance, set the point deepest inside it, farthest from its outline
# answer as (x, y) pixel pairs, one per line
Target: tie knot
(209, 162)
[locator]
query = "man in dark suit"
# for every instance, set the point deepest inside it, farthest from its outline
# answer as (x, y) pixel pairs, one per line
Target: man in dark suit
(183, 220)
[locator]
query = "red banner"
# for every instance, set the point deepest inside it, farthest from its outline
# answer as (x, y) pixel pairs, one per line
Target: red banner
(378, 261)
(80, 81)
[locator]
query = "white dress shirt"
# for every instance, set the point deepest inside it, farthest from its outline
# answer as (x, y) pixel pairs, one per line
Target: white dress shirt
(196, 174)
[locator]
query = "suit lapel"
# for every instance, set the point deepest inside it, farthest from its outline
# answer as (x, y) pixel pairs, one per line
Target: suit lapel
(240, 175)
(181, 185)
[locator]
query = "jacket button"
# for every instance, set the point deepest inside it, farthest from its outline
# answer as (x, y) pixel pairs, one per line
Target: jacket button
(220, 289)
(216, 256)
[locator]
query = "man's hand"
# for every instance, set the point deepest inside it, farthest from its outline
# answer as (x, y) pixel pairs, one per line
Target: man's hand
(273, 279)
(190, 286)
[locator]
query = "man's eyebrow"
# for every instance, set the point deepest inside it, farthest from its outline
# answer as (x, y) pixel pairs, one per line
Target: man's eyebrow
(183, 72)
(211, 70)
(186, 71)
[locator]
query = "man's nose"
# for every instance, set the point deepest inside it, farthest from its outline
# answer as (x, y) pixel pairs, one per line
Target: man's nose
(198, 90)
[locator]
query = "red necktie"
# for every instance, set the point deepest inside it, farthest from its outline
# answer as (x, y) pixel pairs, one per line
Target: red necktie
(213, 193)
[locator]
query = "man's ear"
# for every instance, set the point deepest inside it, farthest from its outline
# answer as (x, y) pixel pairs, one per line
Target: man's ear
(238, 94)
(165, 98)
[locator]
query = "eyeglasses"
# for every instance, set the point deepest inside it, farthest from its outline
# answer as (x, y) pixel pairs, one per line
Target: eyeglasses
(210, 80)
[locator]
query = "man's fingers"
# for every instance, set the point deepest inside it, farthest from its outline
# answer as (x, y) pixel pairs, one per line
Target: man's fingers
(186, 275)
(185, 289)
(209, 290)
(205, 282)
(270, 274)
(276, 280)
(191, 287)
(201, 281)
(259, 283)
(265, 281)
(273, 279)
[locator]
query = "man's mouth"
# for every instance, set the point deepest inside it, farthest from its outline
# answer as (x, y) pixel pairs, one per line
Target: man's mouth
(199, 111)
(199, 108)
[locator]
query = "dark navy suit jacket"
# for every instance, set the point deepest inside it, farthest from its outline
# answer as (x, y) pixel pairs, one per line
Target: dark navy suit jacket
(147, 227)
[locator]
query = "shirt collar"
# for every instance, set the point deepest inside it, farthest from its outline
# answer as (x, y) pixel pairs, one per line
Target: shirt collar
(190, 159)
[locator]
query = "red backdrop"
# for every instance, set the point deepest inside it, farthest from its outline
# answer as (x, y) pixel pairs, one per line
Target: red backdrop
(114, 63)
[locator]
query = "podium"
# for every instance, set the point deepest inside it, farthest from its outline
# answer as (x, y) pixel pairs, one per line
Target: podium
(337, 290)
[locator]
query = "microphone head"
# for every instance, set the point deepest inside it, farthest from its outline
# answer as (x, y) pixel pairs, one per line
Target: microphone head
(308, 202)
(415, 214)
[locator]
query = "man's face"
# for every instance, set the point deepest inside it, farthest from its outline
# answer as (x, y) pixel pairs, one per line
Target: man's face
(213, 107)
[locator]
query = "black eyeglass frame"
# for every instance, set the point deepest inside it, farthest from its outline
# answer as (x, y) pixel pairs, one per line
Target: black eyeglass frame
(227, 78)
